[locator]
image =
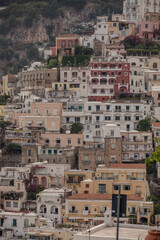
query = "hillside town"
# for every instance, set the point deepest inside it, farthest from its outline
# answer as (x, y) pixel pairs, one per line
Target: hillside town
(81, 126)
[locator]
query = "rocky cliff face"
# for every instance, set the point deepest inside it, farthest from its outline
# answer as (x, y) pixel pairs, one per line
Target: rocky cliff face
(38, 31)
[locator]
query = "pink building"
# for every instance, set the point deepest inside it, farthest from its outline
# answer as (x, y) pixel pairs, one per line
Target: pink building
(44, 116)
(148, 26)
(62, 140)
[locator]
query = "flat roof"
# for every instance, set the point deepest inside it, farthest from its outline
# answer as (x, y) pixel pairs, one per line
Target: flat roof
(124, 233)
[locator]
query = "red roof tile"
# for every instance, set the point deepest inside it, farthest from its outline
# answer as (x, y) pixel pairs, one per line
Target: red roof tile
(128, 165)
(97, 196)
(100, 196)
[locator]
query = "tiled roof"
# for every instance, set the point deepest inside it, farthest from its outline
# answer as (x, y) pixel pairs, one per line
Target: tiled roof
(156, 124)
(99, 196)
(128, 165)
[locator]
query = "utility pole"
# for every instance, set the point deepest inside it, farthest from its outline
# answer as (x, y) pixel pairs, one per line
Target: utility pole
(118, 210)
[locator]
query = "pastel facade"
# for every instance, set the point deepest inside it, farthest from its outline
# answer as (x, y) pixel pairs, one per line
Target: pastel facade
(100, 33)
(148, 26)
(108, 77)
(134, 10)
(12, 188)
(65, 43)
(136, 145)
(95, 196)
(49, 203)
(49, 175)
(119, 30)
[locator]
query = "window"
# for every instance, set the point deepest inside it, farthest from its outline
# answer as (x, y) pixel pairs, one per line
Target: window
(69, 141)
(113, 145)
(137, 108)
(79, 141)
(108, 108)
(135, 73)
(117, 118)
(102, 90)
(65, 74)
(47, 112)
(126, 187)
(118, 108)
(14, 223)
(137, 118)
(112, 133)
(116, 187)
(102, 38)
(87, 185)
(127, 108)
(15, 204)
(102, 188)
(155, 65)
(70, 43)
(26, 223)
(128, 127)
(107, 118)
(97, 126)
(146, 25)
(36, 111)
(54, 111)
(111, 90)
(97, 107)
(74, 74)
(97, 118)
(63, 43)
(46, 141)
(123, 33)
(155, 77)
(8, 204)
(94, 90)
(49, 151)
(29, 152)
(58, 141)
(114, 24)
(99, 159)
(77, 119)
(89, 108)
(127, 118)
(86, 159)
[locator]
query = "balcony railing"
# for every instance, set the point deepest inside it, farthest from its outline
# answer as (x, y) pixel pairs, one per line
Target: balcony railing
(73, 211)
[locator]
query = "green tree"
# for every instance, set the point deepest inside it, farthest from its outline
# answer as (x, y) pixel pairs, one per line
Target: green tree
(52, 63)
(155, 157)
(144, 125)
(32, 53)
(76, 127)
(13, 148)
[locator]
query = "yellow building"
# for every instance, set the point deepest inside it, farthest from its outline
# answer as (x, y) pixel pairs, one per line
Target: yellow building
(96, 196)
(118, 30)
(66, 86)
(73, 178)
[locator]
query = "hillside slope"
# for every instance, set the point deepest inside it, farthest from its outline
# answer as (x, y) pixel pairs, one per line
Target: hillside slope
(26, 25)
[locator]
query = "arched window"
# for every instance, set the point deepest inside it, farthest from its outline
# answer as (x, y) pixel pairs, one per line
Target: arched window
(155, 65)
(133, 64)
(43, 181)
(35, 180)
(43, 209)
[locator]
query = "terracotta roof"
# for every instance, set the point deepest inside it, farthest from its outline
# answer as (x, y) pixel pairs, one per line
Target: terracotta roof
(97, 196)
(134, 197)
(68, 35)
(156, 124)
(100, 196)
(128, 165)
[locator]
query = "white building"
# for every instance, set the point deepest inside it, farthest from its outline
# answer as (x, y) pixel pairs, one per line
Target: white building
(94, 115)
(134, 10)
(49, 203)
(100, 33)
(136, 145)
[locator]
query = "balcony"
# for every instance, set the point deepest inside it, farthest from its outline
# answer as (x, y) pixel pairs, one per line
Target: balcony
(69, 181)
(73, 211)
(85, 212)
